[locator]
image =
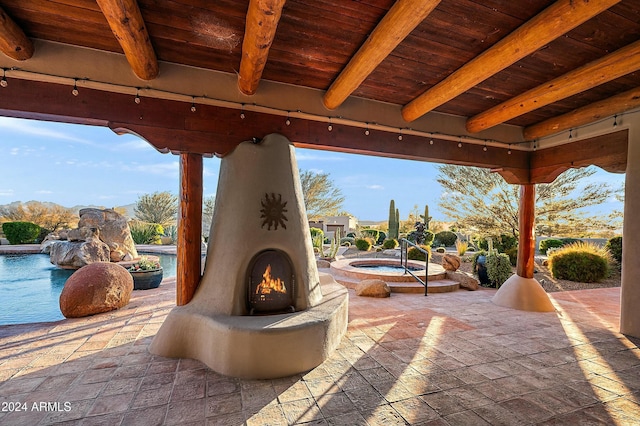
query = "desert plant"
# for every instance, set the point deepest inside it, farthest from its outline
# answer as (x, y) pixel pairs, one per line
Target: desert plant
(501, 243)
(445, 238)
(549, 243)
(21, 232)
(159, 207)
(363, 244)
(370, 233)
(580, 262)
(513, 255)
(316, 231)
(145, 233)
(498, 268)
(171, 232)
(441, 250)
(393, 228)
(414, 254)
(614, 245)
(333, 247)
(390, 243)
(347, 240)
(426, 217)
(461, 247)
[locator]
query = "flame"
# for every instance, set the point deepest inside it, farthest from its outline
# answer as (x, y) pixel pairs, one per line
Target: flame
(269, 285)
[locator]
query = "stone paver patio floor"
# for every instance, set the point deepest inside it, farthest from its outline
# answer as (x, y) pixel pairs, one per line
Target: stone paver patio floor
(445, 359)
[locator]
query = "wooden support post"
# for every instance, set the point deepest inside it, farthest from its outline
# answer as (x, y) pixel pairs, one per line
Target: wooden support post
(526, 220)
(189, 228)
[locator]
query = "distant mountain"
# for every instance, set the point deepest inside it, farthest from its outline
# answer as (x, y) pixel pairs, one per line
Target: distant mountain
(128, 208)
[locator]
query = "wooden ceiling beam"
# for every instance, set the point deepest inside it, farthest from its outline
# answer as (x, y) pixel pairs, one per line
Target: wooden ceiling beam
(403, 17)
(260, 30)
(13, 41)
(129, 28)
(617, 64)
(588, 114)
(551, 23)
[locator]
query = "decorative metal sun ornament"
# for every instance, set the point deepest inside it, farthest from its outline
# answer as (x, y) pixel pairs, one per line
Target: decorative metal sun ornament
(273, 210)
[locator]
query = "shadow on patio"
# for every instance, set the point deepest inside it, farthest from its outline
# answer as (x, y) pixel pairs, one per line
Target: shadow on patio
(444, 359)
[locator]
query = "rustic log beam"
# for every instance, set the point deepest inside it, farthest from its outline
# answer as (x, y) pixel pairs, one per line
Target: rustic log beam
(189, 228)
(13, 41)
(608, 152)
(401, 19)
(126, 22)
(587, 114)
(260, 29)
(526, 240)
(551, 23)
(621, 62)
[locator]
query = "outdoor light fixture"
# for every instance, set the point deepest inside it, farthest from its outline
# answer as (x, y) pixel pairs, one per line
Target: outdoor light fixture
(242, 112)
(615, 121)
(366, 132)
(509, 151)
(329, 127)
(193, 104)
(288, 121)
(4, 82)
(74, 92)
(137, 98)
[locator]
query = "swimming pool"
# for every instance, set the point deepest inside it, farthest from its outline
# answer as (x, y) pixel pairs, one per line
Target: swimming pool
(30, 287)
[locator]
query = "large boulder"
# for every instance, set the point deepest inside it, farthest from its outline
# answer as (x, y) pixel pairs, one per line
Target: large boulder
(465, 279)
(450, 262)
(113, 231)
(96, 288)
(76, 254)
(373, 288)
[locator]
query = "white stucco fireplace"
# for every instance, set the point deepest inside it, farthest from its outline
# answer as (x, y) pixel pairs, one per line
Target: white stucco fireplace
(261, 309)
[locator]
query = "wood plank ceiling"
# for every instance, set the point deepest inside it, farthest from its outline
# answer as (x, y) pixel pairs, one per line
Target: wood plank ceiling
(529, 63)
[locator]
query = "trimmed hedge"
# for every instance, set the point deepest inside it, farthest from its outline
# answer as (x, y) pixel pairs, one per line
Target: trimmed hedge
(21, 232)
(580, 262)
(614, 245)
(550, 243)
(390, 243)
(445, 238)
(414, 254)
(363, 244)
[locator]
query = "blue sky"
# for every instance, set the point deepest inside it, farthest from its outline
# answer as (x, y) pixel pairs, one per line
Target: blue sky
(85, 165)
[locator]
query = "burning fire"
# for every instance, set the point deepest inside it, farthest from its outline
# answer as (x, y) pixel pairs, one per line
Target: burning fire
(269, 285)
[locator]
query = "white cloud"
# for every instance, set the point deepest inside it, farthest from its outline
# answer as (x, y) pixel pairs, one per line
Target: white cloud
(44, 191)
(14, 151)
(377, 187)
(36, 128)
(6, 192)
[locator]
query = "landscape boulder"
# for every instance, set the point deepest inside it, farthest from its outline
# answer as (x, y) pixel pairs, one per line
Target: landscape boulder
(321, 263)
(76, 254)
(465, 279)
(373, 288)
(450, 262)
(113, 231)
(96, 288)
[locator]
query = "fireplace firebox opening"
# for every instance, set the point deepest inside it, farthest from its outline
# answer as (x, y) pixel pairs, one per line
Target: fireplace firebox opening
(271, 283)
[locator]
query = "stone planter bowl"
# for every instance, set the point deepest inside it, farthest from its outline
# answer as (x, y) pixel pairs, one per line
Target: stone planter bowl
(145, 280)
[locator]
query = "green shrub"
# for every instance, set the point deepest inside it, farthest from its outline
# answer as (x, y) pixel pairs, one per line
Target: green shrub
(363, 244)
(441, 250)
(145, 233)
(390, 243)
(580, 262)
(445, 238)
(21, 232)
(502, 242)
(347, 240)
(513, 255)
(549, 243)
(370, 233)
(351, 234)
(414, 254)
(498, 268)
(315, 232)
(567, 241)
(614, 245)
(429, 237)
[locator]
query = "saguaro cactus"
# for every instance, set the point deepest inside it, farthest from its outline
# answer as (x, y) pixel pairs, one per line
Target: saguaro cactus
(393, 233)
(427, 218)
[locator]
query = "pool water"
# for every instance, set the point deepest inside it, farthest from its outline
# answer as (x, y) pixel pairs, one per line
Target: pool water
(30, 287)
(386, 268)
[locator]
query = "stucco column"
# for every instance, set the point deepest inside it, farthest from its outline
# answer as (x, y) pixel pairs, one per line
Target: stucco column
(521, 291)
(189, 228)
(630, 292)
